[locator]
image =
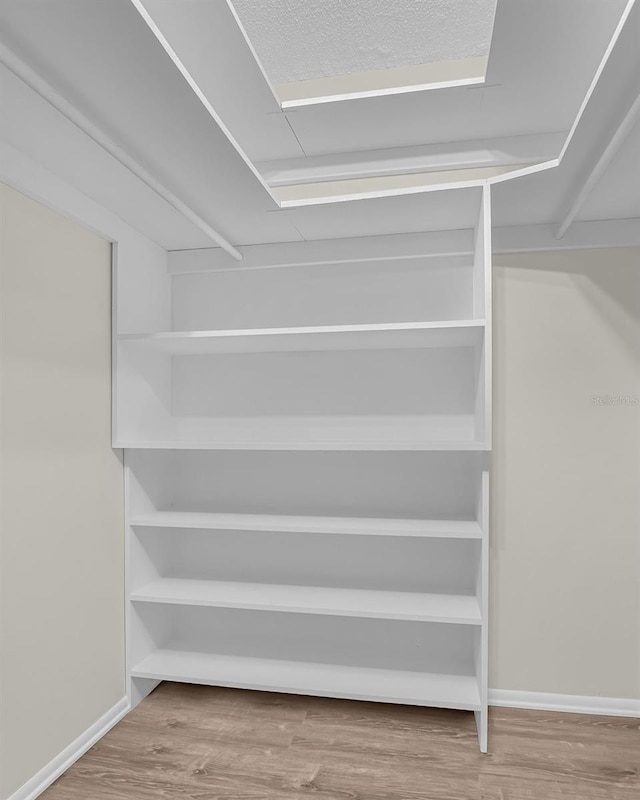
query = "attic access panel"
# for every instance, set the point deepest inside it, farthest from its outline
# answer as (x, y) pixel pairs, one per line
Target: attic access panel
(328, 50)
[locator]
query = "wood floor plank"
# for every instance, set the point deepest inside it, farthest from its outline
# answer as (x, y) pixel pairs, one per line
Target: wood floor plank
(206, 743)
(576, 755)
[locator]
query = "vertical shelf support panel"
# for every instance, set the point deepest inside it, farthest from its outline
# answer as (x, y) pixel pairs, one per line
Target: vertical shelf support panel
(482, 300)
(139, 641)
(482, 636)
(482, 310)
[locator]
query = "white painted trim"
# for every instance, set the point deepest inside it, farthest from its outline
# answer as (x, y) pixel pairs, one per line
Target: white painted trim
(146, 16)
(529, 169)
(39, 85)
(495, 152)
(348, 193)
(428, 183)
(382, 82)
(54, 769)
(594, 82)
(508, 175)
(252, 50)
(568, 703)
(296, 195)
(420, 87)
(613, 145)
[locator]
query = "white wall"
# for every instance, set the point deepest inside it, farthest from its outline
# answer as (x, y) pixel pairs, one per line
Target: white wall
(566, 473)
(62, 663)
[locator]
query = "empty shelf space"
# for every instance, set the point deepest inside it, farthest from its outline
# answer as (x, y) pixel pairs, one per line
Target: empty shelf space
(462, 333)
(408, 432)
(412, 606)
(327, 680)
(446, 529)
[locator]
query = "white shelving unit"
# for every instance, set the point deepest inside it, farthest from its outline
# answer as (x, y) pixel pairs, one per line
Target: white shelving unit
(306, 471)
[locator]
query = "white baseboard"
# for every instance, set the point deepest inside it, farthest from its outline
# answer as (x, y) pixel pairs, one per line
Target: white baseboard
(573, 703)
(54, 769)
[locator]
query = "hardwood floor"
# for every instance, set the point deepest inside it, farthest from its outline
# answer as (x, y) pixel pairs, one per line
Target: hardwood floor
(200, 743)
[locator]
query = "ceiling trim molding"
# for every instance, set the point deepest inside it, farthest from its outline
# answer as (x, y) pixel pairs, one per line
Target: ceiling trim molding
(383, 82)
(531, 169)
(252, 50)
(607, 153)
(140, 7)
(32, 79)
(310, 194)
(503, 175)
(499, 151)
(596, 78)
(292, 197)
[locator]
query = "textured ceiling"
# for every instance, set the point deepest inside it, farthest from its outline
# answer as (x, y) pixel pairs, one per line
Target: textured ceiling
(301, 39)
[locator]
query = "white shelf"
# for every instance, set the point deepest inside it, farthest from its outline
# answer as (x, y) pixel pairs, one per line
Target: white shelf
(423, 528)
(326, 680)
(462, 333)
(333, 445)
(412, 606)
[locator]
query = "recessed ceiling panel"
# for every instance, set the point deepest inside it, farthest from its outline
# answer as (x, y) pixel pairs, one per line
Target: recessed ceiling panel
(543, 57)
(298, 40)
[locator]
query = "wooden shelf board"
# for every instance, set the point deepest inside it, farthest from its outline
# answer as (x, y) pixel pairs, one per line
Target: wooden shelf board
(412, 606)
(326, 680)
(460, 333)
(443, 529)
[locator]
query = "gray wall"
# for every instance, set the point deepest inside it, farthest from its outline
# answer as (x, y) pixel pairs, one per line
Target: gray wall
(565, 591)
(62, 661)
